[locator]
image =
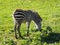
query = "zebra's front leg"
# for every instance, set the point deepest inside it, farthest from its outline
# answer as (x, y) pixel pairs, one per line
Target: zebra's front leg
(18, 28)
(15, 26)
(27, 25)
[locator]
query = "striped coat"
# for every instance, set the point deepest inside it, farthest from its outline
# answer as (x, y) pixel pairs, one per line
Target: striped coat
(27, 16)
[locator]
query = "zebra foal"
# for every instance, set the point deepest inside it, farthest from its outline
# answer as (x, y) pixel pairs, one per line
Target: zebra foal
(27, 16)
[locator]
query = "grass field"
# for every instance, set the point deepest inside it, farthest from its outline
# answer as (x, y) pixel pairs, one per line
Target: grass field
(49, 10)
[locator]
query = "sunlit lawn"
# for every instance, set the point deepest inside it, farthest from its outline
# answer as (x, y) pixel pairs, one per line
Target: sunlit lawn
(49, 10)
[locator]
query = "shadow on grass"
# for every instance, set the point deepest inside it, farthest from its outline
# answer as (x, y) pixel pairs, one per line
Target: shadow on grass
(52, 36)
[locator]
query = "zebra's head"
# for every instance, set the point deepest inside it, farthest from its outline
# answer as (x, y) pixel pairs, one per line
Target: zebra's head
(37, 19)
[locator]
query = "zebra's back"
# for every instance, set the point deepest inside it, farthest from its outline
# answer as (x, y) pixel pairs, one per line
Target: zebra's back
(22, 15)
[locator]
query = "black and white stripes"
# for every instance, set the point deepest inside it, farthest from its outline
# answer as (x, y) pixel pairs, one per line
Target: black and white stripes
(27, 16)
(19, 15)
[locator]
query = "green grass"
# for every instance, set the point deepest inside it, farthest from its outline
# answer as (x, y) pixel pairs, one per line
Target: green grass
(49, 10)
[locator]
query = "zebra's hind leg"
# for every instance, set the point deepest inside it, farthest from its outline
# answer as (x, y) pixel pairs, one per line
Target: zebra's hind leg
(27, 25)
(18, 28)
(15, 26)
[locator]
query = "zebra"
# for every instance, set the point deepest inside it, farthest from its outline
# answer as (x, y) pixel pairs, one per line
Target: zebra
(20, 16)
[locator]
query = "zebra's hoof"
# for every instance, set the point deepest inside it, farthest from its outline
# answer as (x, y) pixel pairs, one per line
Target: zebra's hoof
(27, 35)
(21, 37)
(40, 30)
